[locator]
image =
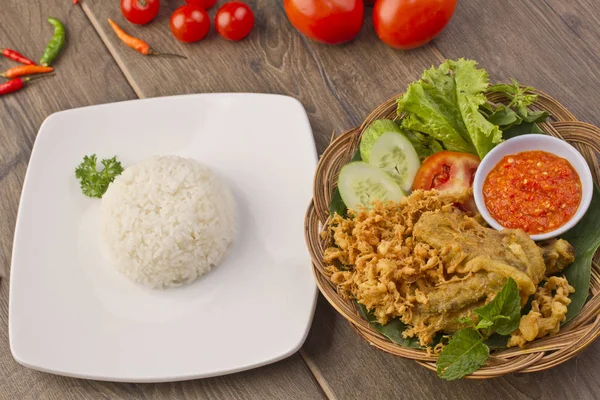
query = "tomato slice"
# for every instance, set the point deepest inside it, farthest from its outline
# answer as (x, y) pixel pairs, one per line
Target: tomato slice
(447, 171)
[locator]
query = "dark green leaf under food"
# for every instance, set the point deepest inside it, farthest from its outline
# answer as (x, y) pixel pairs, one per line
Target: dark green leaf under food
(464, 354)
(392, 330)
(337, 204)
(585, 240)
(496, 342)
(522, 129)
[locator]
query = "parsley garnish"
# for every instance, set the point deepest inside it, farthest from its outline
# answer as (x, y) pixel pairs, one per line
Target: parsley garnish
(94, 183)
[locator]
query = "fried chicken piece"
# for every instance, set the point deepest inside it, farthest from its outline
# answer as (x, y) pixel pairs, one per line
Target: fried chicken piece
(548, 311)
(375, 259)
(467, 246)
(558, 254)
(458, 294)
(426, 325)
(424, 261)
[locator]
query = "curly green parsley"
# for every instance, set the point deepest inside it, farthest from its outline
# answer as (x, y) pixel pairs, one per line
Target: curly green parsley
(94, 182)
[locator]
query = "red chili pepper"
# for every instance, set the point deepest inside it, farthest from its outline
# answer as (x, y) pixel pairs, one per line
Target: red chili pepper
(15, 85)
(25, 70)
(16, 56)
(11, 86)
(137, 44)
(75, 1)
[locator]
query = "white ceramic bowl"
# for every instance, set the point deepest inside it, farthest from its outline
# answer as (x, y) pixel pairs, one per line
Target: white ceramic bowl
(529, 143)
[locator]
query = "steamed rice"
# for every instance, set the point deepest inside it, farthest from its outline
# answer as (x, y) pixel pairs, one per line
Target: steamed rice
(167, 220)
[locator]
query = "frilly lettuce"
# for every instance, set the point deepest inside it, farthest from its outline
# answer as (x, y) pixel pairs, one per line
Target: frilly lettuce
(444, 104)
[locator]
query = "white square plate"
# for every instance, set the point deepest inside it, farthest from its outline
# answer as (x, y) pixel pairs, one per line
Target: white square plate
(72, 313)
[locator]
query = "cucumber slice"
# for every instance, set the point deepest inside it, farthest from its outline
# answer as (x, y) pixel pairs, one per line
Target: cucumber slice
(395, 155)
(361, 183)
(374, 132)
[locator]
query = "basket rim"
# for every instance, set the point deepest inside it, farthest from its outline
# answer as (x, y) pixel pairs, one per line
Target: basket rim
(538, 355)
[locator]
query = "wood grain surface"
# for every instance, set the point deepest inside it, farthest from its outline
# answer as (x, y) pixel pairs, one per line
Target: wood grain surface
(86, 74)
(550, 44)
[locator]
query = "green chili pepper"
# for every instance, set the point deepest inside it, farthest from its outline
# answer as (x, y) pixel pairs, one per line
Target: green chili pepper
(55, 44)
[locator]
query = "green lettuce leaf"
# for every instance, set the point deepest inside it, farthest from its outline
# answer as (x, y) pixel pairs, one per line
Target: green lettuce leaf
(444, 104)
(424, 145)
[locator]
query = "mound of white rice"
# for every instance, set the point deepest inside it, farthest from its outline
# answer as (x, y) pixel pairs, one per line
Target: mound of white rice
(167, 220)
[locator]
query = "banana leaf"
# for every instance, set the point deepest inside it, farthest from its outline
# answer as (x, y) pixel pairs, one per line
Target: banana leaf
(585, 239)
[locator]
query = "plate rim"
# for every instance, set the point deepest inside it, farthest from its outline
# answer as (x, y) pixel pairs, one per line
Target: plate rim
(166, 377)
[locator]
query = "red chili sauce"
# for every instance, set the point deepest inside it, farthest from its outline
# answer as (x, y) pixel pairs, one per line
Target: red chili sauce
(533, 190)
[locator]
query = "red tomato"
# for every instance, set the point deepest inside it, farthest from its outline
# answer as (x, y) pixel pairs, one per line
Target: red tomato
(206, 4)
(406, 24)
(326, 21)
(446, 170)
(190, 23)
(234, 20)
(140, 11)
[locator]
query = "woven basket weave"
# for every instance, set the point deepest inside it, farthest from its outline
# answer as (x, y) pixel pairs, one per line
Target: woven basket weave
(537, 356)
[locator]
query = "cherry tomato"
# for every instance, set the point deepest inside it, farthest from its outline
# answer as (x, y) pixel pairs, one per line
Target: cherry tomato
(234, 20)
(406, 24)
(190, 23)
(206, 4)
(140, 11)
(326, 21)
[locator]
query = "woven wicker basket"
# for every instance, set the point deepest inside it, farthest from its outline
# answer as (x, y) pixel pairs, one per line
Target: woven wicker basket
(537, 356)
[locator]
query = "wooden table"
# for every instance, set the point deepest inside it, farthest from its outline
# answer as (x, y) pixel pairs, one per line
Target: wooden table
(553, 45)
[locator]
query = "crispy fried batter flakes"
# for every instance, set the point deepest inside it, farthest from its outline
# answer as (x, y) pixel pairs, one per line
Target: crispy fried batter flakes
(548, 310)
(424, 261)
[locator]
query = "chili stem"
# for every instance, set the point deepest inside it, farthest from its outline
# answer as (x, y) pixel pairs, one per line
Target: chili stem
(154, 53)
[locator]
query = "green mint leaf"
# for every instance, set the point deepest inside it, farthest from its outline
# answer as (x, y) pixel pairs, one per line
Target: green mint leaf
(504, 311)
(464, 354)
(467, 321)
(484, 324)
